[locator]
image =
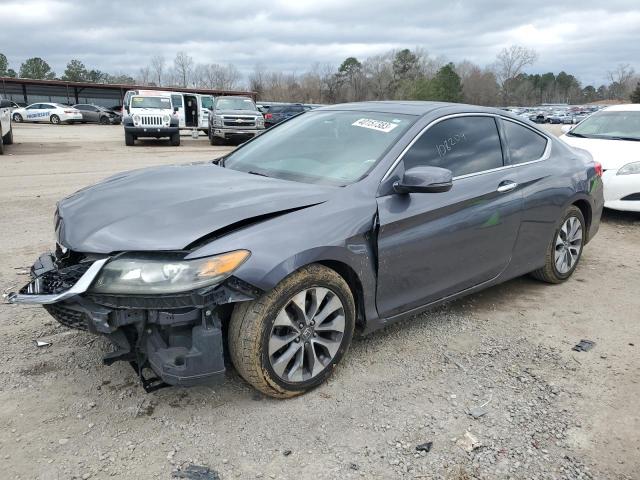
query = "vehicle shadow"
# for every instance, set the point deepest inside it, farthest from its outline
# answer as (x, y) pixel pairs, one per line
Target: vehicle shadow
(622, 218)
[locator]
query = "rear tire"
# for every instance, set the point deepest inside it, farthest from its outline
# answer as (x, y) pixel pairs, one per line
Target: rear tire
(565, 250)
(8, 138)
(265, 338)
(129, 139)
(55, 119)
(175, 140)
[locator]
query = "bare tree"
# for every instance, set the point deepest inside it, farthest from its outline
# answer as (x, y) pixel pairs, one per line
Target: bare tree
(144, 75)
(157, 68)
(257, 80)
(183, 65)
(509, 64)
(621, 79)
(380, 76)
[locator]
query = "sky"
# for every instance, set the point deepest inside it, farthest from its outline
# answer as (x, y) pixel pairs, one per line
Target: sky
(586, 38)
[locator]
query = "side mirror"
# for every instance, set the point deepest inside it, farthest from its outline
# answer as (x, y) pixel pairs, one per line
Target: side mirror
(175, 109)
(5, 104)
(566, 128)
(425, 180)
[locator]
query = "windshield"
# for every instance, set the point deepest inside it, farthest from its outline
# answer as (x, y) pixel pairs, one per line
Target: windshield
(151, 102)
(207, 102)
(237, 103)
(612, 125)
(324, 147)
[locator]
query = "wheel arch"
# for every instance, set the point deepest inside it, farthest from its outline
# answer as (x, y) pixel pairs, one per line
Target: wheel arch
(356, 269)
(585, 208)
(355, 285)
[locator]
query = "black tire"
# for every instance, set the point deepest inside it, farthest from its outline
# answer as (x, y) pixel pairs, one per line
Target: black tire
(252, 322)
(55, 119)
(1, 143)
(104, 121)
(8, 138)
(129, 139)
(550, 273)
(175, 140)
(17, 118)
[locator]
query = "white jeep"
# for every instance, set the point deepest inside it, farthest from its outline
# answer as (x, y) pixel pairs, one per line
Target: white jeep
(150, 116)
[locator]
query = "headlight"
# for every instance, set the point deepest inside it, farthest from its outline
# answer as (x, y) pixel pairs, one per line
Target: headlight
(217, 121)
(136, 119)
(259, 122)
(148, 274)
(166, 119)
(629, 168)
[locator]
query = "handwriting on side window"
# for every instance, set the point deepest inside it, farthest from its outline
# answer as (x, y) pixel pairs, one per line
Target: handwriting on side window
(448, 143)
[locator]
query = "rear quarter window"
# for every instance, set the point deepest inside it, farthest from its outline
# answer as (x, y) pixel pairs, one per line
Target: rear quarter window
(524, 145)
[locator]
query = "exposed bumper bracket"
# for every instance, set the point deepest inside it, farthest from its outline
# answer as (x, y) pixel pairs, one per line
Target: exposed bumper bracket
(32, 295)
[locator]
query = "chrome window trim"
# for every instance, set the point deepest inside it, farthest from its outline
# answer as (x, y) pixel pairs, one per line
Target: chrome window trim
(546, 154)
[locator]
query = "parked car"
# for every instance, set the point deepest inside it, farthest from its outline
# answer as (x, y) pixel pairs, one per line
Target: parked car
(280, 113)
(234, 119)
(6, 130)
(538, 117)
(345, 219)
(47, 112)
(612, 137)
(97, 114)
(150, 116)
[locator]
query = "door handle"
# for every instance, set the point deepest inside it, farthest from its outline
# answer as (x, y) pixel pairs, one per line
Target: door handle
(507, 186)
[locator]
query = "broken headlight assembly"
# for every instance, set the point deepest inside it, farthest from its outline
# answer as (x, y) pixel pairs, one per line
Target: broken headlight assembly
(153, 275)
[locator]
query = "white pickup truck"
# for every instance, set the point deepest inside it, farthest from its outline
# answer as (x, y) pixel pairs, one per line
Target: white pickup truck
(6, 132)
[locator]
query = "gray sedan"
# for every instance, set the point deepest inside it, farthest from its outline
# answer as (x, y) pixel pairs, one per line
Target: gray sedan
(97, 114)
(339, 221)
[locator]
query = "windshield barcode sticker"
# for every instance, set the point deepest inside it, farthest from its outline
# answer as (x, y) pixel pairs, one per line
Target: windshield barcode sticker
(378, 125)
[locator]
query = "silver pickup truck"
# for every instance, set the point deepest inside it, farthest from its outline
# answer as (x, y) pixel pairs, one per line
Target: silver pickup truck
(6, 132)
(234, 119)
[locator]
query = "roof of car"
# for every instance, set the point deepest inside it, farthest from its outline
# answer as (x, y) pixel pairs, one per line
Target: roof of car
(408, 107)
(627, 107)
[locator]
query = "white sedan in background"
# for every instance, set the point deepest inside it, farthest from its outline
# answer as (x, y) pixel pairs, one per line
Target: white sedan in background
(47, 112)
(612, 136)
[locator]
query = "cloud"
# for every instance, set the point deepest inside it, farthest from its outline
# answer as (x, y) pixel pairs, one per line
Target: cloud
(585, 38)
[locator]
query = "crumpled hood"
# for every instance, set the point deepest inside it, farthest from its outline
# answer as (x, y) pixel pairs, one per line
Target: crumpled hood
(612, 154)
(170, 207)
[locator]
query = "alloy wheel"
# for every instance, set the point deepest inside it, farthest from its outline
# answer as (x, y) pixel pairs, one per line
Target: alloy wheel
(568, 245)
(306, 334)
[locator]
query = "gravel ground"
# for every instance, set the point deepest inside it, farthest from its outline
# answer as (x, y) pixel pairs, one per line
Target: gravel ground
(490, 380)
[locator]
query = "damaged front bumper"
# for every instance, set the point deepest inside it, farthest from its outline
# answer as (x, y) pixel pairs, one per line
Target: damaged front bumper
(179, 337)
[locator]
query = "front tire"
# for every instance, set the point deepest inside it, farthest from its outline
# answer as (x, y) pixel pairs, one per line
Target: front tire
(104, 121)
(17, 118)
(129, 139)
(175, 140)
(289, 340)
(565, 250)
(55, 119)
(213, 140)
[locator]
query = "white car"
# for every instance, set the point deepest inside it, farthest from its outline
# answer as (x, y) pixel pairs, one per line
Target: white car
(612, 136)
(6, 132)
(47, 112)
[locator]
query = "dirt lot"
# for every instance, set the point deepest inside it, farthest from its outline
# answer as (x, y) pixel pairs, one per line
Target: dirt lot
(544, 411)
